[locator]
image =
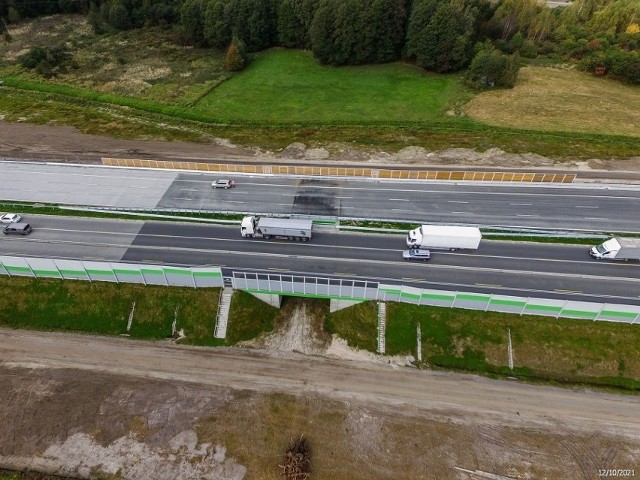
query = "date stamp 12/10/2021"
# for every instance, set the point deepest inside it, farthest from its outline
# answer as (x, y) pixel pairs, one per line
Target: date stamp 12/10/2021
(616, 472)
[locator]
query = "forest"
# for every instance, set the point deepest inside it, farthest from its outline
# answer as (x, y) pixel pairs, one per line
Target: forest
(488, 38)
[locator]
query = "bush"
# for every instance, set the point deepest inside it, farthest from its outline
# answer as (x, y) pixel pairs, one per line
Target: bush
(624, 65)
(492, 69)
(236, 58)
(528, 49)
(47, 62)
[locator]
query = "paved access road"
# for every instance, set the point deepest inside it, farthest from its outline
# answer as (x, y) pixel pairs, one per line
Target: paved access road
(524, 269)
(584, 207)
(509, 403)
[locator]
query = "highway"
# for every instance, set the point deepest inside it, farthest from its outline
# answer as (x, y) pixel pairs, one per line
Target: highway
(524, 269)
(592, 207)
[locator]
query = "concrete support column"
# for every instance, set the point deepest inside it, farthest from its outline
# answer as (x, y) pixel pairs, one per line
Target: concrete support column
(336, 304)
(270, 298)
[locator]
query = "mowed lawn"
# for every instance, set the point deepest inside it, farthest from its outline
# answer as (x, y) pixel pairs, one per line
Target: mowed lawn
(284, 86)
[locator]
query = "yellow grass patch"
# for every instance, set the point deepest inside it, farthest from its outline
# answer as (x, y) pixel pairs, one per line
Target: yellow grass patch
(556, 99)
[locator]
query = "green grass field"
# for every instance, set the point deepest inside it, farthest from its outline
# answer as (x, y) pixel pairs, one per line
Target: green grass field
(283, 86)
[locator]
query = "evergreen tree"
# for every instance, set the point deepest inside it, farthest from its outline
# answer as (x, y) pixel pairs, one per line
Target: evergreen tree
(321, 32)
(445, 44)
(290, 31)
(419, 19)
(387, 20)
(191, 18)
(217, 24)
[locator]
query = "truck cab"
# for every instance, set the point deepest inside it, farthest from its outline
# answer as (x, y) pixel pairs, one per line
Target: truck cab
(248, 227)
(608, 249)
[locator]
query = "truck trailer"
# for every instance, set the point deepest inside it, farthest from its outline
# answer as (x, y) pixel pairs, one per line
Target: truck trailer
(447, 237)
(268, 227)
(618, 248)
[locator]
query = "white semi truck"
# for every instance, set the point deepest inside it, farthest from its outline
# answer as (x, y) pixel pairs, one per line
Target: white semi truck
(268, 227)
(618, 248)
(447, 237)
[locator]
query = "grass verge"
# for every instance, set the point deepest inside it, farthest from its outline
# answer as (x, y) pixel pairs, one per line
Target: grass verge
(249, 317)
(103, 308)
(56, 210)
(544, 349)
(356, 324)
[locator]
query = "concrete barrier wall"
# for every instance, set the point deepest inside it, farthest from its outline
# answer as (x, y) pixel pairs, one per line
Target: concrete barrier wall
(365, 172)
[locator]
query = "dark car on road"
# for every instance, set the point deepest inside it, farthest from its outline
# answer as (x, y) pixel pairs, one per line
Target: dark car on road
(18, 229)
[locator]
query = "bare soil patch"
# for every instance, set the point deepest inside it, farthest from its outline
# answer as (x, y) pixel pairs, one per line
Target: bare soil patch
(66, 144)
(88, 424)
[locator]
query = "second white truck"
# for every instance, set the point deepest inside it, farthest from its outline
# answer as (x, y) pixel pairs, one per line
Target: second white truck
(445, 237)
(268, 227)
(618, 248)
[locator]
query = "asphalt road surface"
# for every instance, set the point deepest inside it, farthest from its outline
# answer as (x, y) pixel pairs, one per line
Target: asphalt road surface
(581, 207)
(511, 402)
(526, 269)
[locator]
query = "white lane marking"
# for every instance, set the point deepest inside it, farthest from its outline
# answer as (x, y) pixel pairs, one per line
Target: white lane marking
(284, 204)
(522, 204)
(460, 212)
(344, 197)
(456, 201)
(401, 210)
(189, 190)
(399, 200)
(184, 198)
(524, 215)
(586, 206)
(233, 201)
(595, 218)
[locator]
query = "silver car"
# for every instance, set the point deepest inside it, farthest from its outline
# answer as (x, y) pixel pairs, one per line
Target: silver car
(417, 254)
(223, 184)
(10, 218)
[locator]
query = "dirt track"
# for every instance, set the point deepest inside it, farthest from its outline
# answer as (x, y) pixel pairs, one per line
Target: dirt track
(203, 382)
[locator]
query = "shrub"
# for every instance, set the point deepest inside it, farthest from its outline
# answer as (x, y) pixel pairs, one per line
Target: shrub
(48, 62)
(13, 15)
(235, 60)
(492, 69)
(528, 49)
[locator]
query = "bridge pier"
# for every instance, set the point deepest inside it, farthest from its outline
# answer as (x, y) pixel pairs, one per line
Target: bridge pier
(339, 304)
(269, 298)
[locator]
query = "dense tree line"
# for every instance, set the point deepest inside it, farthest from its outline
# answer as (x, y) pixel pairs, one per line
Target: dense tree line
(438, 35)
